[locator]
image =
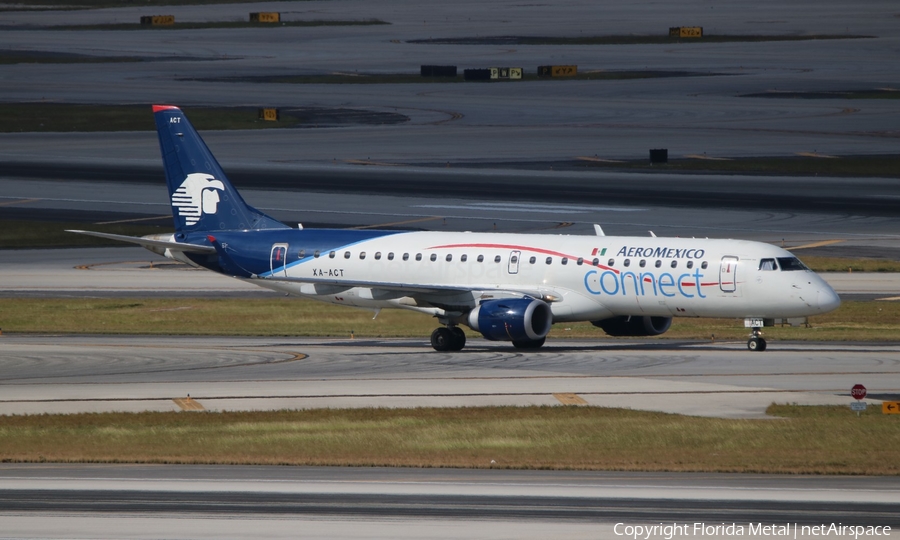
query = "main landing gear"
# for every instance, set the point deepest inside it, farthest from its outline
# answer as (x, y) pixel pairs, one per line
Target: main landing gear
(756, 342)
(448, 338)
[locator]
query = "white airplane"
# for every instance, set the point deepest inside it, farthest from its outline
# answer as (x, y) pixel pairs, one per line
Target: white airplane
(508, 287)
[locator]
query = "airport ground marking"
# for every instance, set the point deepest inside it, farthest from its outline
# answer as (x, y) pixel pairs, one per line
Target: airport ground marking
(570, 399)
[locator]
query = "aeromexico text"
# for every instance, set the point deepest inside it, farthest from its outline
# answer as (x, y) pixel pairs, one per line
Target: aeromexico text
(661, 252)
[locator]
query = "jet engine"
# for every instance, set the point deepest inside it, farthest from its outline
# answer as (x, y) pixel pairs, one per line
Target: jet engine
(634, 325)
(522, 320)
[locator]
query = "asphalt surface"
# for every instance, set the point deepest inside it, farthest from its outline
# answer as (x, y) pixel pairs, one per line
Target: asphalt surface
(420, 502)
(69, 374)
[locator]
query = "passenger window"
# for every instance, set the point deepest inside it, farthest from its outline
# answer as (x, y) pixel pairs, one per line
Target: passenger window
(643, 263)
(449, 257)
(377, 255)
(362, 255)
(704, 265)
(480, 258)
(497, 259)
(674, 264)
(316, 254)
(549, 260)
(331, 255)
(301, 254)
(627, 263)
(418, 256)
(580, 261)
(463, 258)
(564, 261)
(406, 256)
(768, 265)
(690, 264)
(609, 263)
(346, 254)
(433, 257)
(532, 260)
(391, 256)
(513, 259)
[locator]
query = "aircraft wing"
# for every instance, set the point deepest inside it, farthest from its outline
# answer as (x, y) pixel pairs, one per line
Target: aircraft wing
(420, 290)
(148, 243)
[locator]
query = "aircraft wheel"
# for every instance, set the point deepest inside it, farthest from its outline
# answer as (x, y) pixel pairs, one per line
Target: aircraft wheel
(529, 343)
(459, 338)
(442, 339)
(757, 344)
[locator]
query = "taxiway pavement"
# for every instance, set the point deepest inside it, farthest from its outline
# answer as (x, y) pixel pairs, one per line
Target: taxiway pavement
(140, 501)
(68, 374)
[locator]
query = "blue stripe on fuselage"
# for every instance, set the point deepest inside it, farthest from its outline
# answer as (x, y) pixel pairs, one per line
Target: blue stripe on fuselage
(251, 250)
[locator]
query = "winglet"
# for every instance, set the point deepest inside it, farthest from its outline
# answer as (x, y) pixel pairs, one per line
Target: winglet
(157, 108)
(598, 230)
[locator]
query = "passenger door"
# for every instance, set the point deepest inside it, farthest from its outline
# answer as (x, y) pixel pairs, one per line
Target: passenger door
(278, 260)
(728, 274)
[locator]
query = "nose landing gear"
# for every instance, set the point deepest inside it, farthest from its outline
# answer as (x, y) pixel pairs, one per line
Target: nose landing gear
(756, 341)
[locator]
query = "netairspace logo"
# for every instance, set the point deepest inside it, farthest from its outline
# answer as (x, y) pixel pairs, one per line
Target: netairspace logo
(668, 531)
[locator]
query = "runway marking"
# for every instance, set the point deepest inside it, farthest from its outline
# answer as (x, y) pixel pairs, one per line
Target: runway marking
(707, 158)
(598, 160)
(167, 216)
(91, 266)
(570, 399)
(839, 392)
(188, 404)
(888, 299)
(368, 162)
(815, 155)
(816, 244)
(19, 201)
(395, 223)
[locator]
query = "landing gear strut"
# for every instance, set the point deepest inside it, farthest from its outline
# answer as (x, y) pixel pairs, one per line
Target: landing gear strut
(448, 338)
(756, 342)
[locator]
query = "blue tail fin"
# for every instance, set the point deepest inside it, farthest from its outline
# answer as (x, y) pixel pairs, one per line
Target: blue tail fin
(202, 197)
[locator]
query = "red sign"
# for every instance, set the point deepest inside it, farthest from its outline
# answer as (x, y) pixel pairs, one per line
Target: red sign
(858, 391)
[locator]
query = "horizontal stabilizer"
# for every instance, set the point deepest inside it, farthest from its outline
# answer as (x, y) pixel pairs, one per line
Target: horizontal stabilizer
(148, 243)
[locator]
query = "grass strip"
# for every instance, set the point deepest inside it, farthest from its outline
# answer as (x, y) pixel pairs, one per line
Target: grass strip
(807, 440)
(877, 166)
(40, 57)
(875, 93)
(215, 24)
(415, 78)
(68, 117)
(32, 234)
(44, 5)
(631, 39)
(280, 316)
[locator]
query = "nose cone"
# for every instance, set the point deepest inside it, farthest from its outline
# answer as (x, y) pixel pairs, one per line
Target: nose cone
(828, 299)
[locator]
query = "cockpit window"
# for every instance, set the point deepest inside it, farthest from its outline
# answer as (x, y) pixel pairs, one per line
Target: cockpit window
(790, 264)
(768, 264)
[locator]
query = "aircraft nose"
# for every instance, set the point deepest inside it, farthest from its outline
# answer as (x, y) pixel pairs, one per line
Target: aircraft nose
(828, 299)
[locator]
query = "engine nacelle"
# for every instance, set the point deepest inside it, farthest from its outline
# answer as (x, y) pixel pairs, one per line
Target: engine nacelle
(634, 325)
(513, 319)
